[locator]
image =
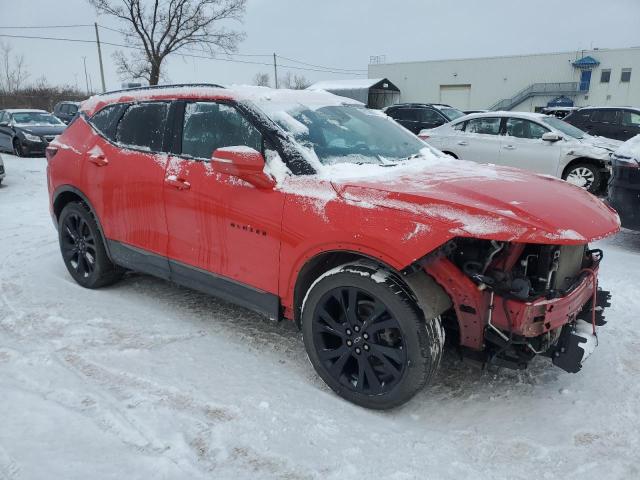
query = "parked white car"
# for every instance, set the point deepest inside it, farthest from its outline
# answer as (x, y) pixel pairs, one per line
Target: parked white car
(2, 172)
(532, 141)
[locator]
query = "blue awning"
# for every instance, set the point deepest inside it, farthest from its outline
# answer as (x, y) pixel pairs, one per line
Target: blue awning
(561, 101)
(586, 63)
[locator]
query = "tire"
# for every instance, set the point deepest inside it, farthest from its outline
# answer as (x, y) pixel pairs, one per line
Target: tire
(585, 175)
(83, 250)
(384, 354)
(17, 148)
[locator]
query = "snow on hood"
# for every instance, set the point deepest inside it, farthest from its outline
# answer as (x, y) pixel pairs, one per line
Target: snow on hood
(483, 201)
(630, 149)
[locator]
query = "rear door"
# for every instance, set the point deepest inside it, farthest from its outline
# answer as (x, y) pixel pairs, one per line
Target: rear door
(605, 123)
(223, 230)
(124, 171)
(479, 141)
(522, 147)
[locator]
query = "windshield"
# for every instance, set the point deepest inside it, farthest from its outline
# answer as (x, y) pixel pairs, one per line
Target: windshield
(35, 118)
(347, 133)
(451, 113)
(564, 127)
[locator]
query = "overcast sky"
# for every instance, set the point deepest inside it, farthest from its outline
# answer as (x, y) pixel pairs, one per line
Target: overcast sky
(339, 33)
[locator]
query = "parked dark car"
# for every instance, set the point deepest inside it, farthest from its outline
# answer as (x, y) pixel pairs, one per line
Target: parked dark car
(420, 116)
(619, 123)
(28, 132)
(624, 189)
(66, 111)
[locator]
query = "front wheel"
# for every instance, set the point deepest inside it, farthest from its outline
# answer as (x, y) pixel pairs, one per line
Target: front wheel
(585, 175)
(366, 337)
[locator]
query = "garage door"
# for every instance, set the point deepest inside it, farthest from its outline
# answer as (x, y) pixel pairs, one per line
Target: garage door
(457, 96)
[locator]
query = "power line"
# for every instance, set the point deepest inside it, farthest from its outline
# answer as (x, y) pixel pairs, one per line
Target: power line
(44, 26)
(320, 66)
(220, 59)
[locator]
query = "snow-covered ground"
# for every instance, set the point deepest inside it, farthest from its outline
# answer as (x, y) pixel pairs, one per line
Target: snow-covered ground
(149, 380)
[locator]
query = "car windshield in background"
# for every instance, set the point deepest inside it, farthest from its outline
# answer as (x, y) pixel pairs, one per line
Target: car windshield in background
(35, 118)
(347, 134)
(451, 113)
(564, 127)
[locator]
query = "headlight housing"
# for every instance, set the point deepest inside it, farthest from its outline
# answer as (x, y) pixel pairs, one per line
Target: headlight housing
(32, 138)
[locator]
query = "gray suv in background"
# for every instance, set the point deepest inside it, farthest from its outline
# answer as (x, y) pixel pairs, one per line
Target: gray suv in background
(66, 111)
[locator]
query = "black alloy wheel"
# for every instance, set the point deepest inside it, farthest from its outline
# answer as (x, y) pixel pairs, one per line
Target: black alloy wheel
(83, 249)
(359, 340)
(367, 338)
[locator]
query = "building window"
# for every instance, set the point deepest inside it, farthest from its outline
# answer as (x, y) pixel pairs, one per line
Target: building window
(605, 76)
(625, 77)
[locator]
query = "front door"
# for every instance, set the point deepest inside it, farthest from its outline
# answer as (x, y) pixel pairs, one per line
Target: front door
(222, 229)
(522, 147)
(585, 80)
(125, 178)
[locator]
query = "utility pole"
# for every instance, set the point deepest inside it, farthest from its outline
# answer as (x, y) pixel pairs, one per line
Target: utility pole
(104, 88)
(275, 69)
(86, 77)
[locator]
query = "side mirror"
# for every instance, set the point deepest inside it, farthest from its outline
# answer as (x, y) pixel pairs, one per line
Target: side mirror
(551, 137)
(244, 163)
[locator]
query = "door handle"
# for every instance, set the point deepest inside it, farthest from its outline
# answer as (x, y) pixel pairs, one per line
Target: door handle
(99, 160)
(178, 183)
(463, 143)
(509, 147)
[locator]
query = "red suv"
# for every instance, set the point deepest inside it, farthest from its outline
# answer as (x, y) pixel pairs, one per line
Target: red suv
(309, 207)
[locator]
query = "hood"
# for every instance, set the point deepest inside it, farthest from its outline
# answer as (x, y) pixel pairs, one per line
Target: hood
(607, 144)
(42, 129)
(485, 201)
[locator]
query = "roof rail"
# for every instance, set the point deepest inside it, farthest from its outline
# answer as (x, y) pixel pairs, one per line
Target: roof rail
(159, 87)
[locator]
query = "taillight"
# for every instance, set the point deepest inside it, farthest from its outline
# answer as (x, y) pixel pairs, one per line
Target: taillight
(50, 152)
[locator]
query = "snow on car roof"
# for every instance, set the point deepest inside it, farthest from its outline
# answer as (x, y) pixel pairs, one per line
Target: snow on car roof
(630, 149)
(345, 84)
(24, 110)
(501, 113)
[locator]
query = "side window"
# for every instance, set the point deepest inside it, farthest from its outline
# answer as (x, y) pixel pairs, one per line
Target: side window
(630, 119)
(72, 109)
(484, 125)
(604, 116)
(521, 128)
(409, 114)
(106, 120)
(63, 108)
(430, 116)
(209, 126)
(459, 126)
(143, 125)
(3, 117)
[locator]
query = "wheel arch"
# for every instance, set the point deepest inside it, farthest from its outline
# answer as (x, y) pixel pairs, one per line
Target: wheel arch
(575, 161)
(429, 296)
(66, 194)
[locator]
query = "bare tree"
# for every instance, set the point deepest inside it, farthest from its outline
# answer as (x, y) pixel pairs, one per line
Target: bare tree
(13, 74)
(161, 27)
(262, 79)
(300, 82)
(286, 80)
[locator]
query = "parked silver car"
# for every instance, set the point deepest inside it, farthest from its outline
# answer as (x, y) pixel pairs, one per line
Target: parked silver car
(532, 141)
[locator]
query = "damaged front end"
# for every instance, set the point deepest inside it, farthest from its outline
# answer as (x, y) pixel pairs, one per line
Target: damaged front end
(513, 301)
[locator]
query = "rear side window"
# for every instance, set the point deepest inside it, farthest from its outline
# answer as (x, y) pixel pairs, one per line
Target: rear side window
(209, 126)
(430, 116)
(106, 120)
(630, 119)
(410, 114)
(604, 116)
(72, 109)
(143, 126)
(484, 125)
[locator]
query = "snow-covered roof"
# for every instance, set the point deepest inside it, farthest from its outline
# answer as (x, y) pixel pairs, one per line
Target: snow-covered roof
(24, 110)
(350, 84)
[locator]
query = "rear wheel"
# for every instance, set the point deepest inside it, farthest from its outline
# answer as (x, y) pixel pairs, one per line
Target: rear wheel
(83, 250)
(585, 175)
(367, 338)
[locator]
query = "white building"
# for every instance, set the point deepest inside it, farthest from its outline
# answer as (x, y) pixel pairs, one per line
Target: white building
(523, 82)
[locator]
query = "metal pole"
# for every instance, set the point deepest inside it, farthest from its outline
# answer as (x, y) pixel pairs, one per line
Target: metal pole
(86, 77)
(104, 88)
(275, 69)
